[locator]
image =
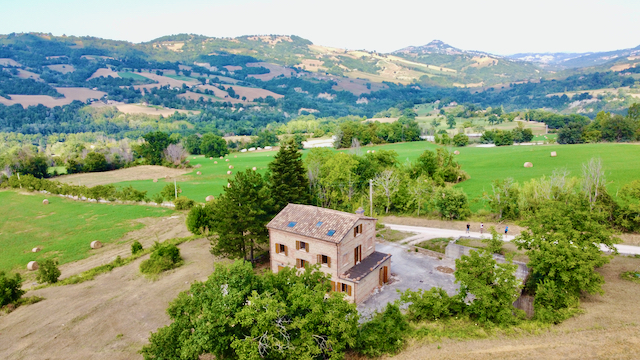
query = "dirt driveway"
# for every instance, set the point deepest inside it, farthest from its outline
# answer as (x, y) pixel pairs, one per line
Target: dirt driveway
(107, 318)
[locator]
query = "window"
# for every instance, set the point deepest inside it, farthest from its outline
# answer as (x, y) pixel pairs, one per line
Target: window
(282, 249)
(345, 288)
(357, 230)
(300, 264)
(292, 224)
(301, 245)
(331, 232)
(324, 260)
(319, 224)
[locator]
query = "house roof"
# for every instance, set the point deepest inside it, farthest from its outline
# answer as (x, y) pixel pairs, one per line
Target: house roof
(365, 267)
(316, 222)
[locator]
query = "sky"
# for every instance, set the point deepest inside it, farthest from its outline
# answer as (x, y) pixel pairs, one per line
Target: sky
(500, 27)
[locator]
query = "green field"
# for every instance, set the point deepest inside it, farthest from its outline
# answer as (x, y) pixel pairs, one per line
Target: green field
(134, 76)
(621, 163)
(63, 229)
(181, 77)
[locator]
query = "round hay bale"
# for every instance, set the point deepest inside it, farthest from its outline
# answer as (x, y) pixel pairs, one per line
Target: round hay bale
(372, 151)
(32, 266)
(166, 176)
(209, 198)
(228, 185)
(35, 249)
(215, 162)
(368, 151)
(155, 180)
(528, 164)
(45, 202)
(221, 157)
(456, 152)
(211, 158)
(199, 173)
(254, 168)
(96, 244)
(553, 154)
(226, 159)
(230, 166)
(194, 158)
(235, 156)
(229, 172)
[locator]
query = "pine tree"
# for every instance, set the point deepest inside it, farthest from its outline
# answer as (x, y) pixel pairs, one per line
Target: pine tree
(288, 180)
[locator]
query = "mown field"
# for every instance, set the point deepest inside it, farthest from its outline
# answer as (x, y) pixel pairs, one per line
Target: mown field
(621, 163)
(63, 229)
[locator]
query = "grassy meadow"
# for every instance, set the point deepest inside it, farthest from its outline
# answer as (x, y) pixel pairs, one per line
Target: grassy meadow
(63, 229)
(621, 163)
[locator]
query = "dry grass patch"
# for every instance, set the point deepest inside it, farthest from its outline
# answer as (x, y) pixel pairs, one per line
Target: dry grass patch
(104, 73)
(143, 172)
(62, 68)
(150, 110)
(274, 71)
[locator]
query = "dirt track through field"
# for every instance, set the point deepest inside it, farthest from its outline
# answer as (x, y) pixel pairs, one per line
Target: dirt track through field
(108, 318)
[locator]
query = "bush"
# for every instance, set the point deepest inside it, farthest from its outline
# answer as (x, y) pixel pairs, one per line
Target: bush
(136, 247)
(163, 257)
(452, 203)
(48, 272)
(169, 192)
(431, 305)
(199, 218)
(184, 203)
(10, 290)
(460, 140)
(384, 334)
(494, 243)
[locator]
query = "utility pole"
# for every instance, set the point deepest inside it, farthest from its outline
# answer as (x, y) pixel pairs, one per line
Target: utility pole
(175, 188)
(371, 197)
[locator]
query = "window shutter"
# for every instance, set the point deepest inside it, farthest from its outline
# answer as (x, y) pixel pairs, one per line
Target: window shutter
(277, 248)
(306, 246)
(286, 252)
(297, 245)
(349, 290)
(333, 286)
(355, 231)
(298, 263)
(360, 228)
(328, 261)
(318, 259)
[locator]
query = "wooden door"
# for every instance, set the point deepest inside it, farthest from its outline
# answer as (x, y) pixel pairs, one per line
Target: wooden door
(384, 275)
(357, 254)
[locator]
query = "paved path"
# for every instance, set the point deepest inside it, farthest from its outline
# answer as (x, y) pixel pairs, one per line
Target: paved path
(425, 233)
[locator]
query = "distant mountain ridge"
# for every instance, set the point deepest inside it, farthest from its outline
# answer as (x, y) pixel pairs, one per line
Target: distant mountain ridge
(579, 60)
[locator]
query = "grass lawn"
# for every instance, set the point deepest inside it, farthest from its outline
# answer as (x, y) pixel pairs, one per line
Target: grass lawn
(63, 229)
(621, 163)
(134, 76)
(181, 77)
(437, 245)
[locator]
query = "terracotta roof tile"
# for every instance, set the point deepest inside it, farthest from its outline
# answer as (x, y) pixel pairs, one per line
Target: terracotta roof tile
(308, 217)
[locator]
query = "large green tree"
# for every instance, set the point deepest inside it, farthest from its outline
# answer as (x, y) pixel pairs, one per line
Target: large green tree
(153, 148)
(237, 314)
(288, 181)
(213, 146)
(239, 216)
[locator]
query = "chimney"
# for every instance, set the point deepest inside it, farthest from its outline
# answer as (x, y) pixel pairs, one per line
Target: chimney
(360, 211)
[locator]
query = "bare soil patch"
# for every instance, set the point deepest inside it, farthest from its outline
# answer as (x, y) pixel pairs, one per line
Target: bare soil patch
(107, 318)
(357, 86)
(9, 62)
(24, 74)
(105, 73)
(33, 100)
(608, 329)
(274, 71)
(143, 172)
(253, 93)
(79, 93)
(444, 269)
(233, 67)
(163, 80)
(142, 109)
(62, 68)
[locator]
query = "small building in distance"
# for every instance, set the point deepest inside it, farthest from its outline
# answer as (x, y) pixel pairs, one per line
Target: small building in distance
(342, 243)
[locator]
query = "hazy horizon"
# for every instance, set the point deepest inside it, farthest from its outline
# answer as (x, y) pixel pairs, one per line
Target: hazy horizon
(494, 26)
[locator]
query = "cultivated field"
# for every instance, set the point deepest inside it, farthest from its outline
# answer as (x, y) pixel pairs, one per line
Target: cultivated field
(357, 86)
(144, 172)
(70, 94)
(9, 62)
(151, 110)
(274, 71)
(105, 73)
(80, 93)
(63, 229)
(253, 93)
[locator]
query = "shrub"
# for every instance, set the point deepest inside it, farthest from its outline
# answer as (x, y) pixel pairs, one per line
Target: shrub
(48, 272)
(169, 192)
(384, 334)
(184, 203)
(10, 290)
(199, 218)
(494, 243)
(460, 140)
(163, 257)
(452, 203)
(157, 198)
(431, 305)
(136, 247)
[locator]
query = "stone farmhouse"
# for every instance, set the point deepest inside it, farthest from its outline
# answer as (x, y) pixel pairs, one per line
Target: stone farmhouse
(342, 243)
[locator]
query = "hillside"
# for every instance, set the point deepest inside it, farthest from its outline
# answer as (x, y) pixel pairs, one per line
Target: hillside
(616, 60)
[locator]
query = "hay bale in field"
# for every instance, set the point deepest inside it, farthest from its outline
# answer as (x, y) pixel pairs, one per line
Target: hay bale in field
(32, 266)
(229, 172)
(194, 158)
(372, 151)
(209, 198)
(228, 185)
(230, 166)
(528, 165)
(254, 168)
(221, 157)
(166, 176)
(96, 244)
(368, 151)
(553, 154)
(155, 180)
(211, 158)
(199, 173)
(235, 156)
(45, 202)
(215, 162)
(456, 152)
(35, 249)
(226, 159)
